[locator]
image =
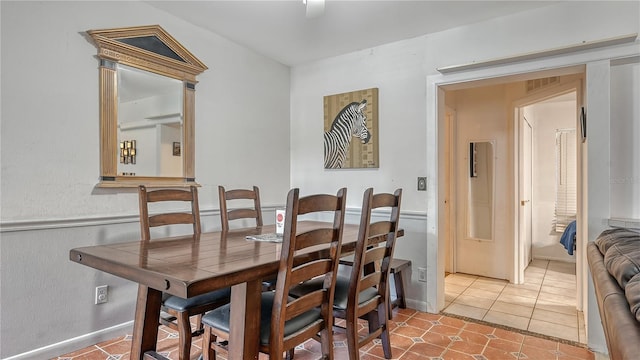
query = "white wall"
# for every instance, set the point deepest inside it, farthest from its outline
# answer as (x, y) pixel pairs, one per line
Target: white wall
(50, 161)
(625, 140)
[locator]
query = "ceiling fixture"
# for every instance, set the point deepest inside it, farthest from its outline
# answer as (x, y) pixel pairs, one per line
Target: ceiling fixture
(315, 8)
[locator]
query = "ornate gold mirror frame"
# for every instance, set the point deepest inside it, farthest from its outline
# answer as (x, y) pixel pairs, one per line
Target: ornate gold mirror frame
(148, 48)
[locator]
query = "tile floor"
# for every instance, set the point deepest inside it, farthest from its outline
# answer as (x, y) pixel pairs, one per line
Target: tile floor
(544, 304)
(414, 335)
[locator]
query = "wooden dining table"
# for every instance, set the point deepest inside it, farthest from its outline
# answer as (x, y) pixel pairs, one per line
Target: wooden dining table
(188, 266)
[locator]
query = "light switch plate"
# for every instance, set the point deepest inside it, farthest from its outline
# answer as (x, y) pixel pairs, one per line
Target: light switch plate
(422, 183)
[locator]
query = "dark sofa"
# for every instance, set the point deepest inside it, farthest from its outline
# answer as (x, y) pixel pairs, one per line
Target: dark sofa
(614, 261)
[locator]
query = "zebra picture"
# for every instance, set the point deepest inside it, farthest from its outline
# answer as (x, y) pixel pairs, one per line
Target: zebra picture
(350, 122)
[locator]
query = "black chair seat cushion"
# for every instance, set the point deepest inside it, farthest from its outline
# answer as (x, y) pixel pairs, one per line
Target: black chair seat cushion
(181, 304)
(341, 293)
(219, 318)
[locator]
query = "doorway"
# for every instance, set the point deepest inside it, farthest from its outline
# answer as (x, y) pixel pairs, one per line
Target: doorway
(521, 300)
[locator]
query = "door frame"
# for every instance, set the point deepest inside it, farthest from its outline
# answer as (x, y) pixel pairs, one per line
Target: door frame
(597, 62)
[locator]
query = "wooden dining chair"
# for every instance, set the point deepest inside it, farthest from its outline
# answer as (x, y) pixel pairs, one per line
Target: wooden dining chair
(227, 214)
(365, 293)
(179, 310)
(285, 321)
(243, 197)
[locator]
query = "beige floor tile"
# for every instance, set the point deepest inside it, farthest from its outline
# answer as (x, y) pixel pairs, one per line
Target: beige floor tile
(454, 289)
(520, 291)
(555, 307)
(563, 267)
(491, 281)
(474, 301)
(555, 317)
(562, 299)
(481, 293)
(466, 310)
(535, 271)
(488, 286)
(526, 286)
(551, 329)
(460, 279)
(551, 276)
(508, 308)
(517, 300)
(557, 290)
(496, 317)
(533, 278)
(538, 263)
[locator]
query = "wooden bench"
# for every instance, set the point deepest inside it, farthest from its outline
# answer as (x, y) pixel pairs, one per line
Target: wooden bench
(397, 266)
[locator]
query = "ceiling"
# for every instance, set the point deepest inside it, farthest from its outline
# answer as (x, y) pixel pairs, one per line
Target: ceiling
(280, 29)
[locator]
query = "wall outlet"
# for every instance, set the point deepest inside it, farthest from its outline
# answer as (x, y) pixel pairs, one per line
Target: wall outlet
(422, 274)
(422, 183)
(102, 294)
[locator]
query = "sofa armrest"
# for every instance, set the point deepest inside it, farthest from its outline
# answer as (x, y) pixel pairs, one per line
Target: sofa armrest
(622, 331)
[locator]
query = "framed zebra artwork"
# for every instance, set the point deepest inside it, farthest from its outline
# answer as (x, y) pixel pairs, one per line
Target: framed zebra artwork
(351, 130)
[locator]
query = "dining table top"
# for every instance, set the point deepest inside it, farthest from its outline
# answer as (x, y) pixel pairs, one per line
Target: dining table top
(187, 266)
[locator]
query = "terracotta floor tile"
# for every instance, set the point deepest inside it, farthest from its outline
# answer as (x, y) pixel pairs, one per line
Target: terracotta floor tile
(540, 343)
(479, 328)
(445, 330)
(466, 347)
(505, 345)
(498, 354)
(427, 316)
(473, 338)
(409, 331)
(426, 349)
(437, 339)
(401, 341)
(574, 351)
(455, 355)
(419, 323)
(452, 322)
(377, 351)
(536, 353)
(508, 335)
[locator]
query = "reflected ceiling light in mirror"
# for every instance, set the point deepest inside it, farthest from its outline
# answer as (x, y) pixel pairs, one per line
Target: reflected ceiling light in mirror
(315, 8)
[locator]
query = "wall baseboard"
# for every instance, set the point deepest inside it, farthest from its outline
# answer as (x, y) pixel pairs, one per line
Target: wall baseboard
(80, 342)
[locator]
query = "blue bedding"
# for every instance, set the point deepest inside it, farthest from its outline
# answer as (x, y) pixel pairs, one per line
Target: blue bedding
(569, 237)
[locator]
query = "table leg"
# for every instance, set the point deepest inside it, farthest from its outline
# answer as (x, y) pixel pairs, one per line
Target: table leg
(146, 322)
(245, 320)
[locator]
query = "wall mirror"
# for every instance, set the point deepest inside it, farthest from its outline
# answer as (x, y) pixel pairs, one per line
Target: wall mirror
(147, 103)
(480, 194)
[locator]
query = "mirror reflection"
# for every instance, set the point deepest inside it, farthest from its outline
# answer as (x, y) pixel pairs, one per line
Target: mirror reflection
(150, 124)
(480, 191)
